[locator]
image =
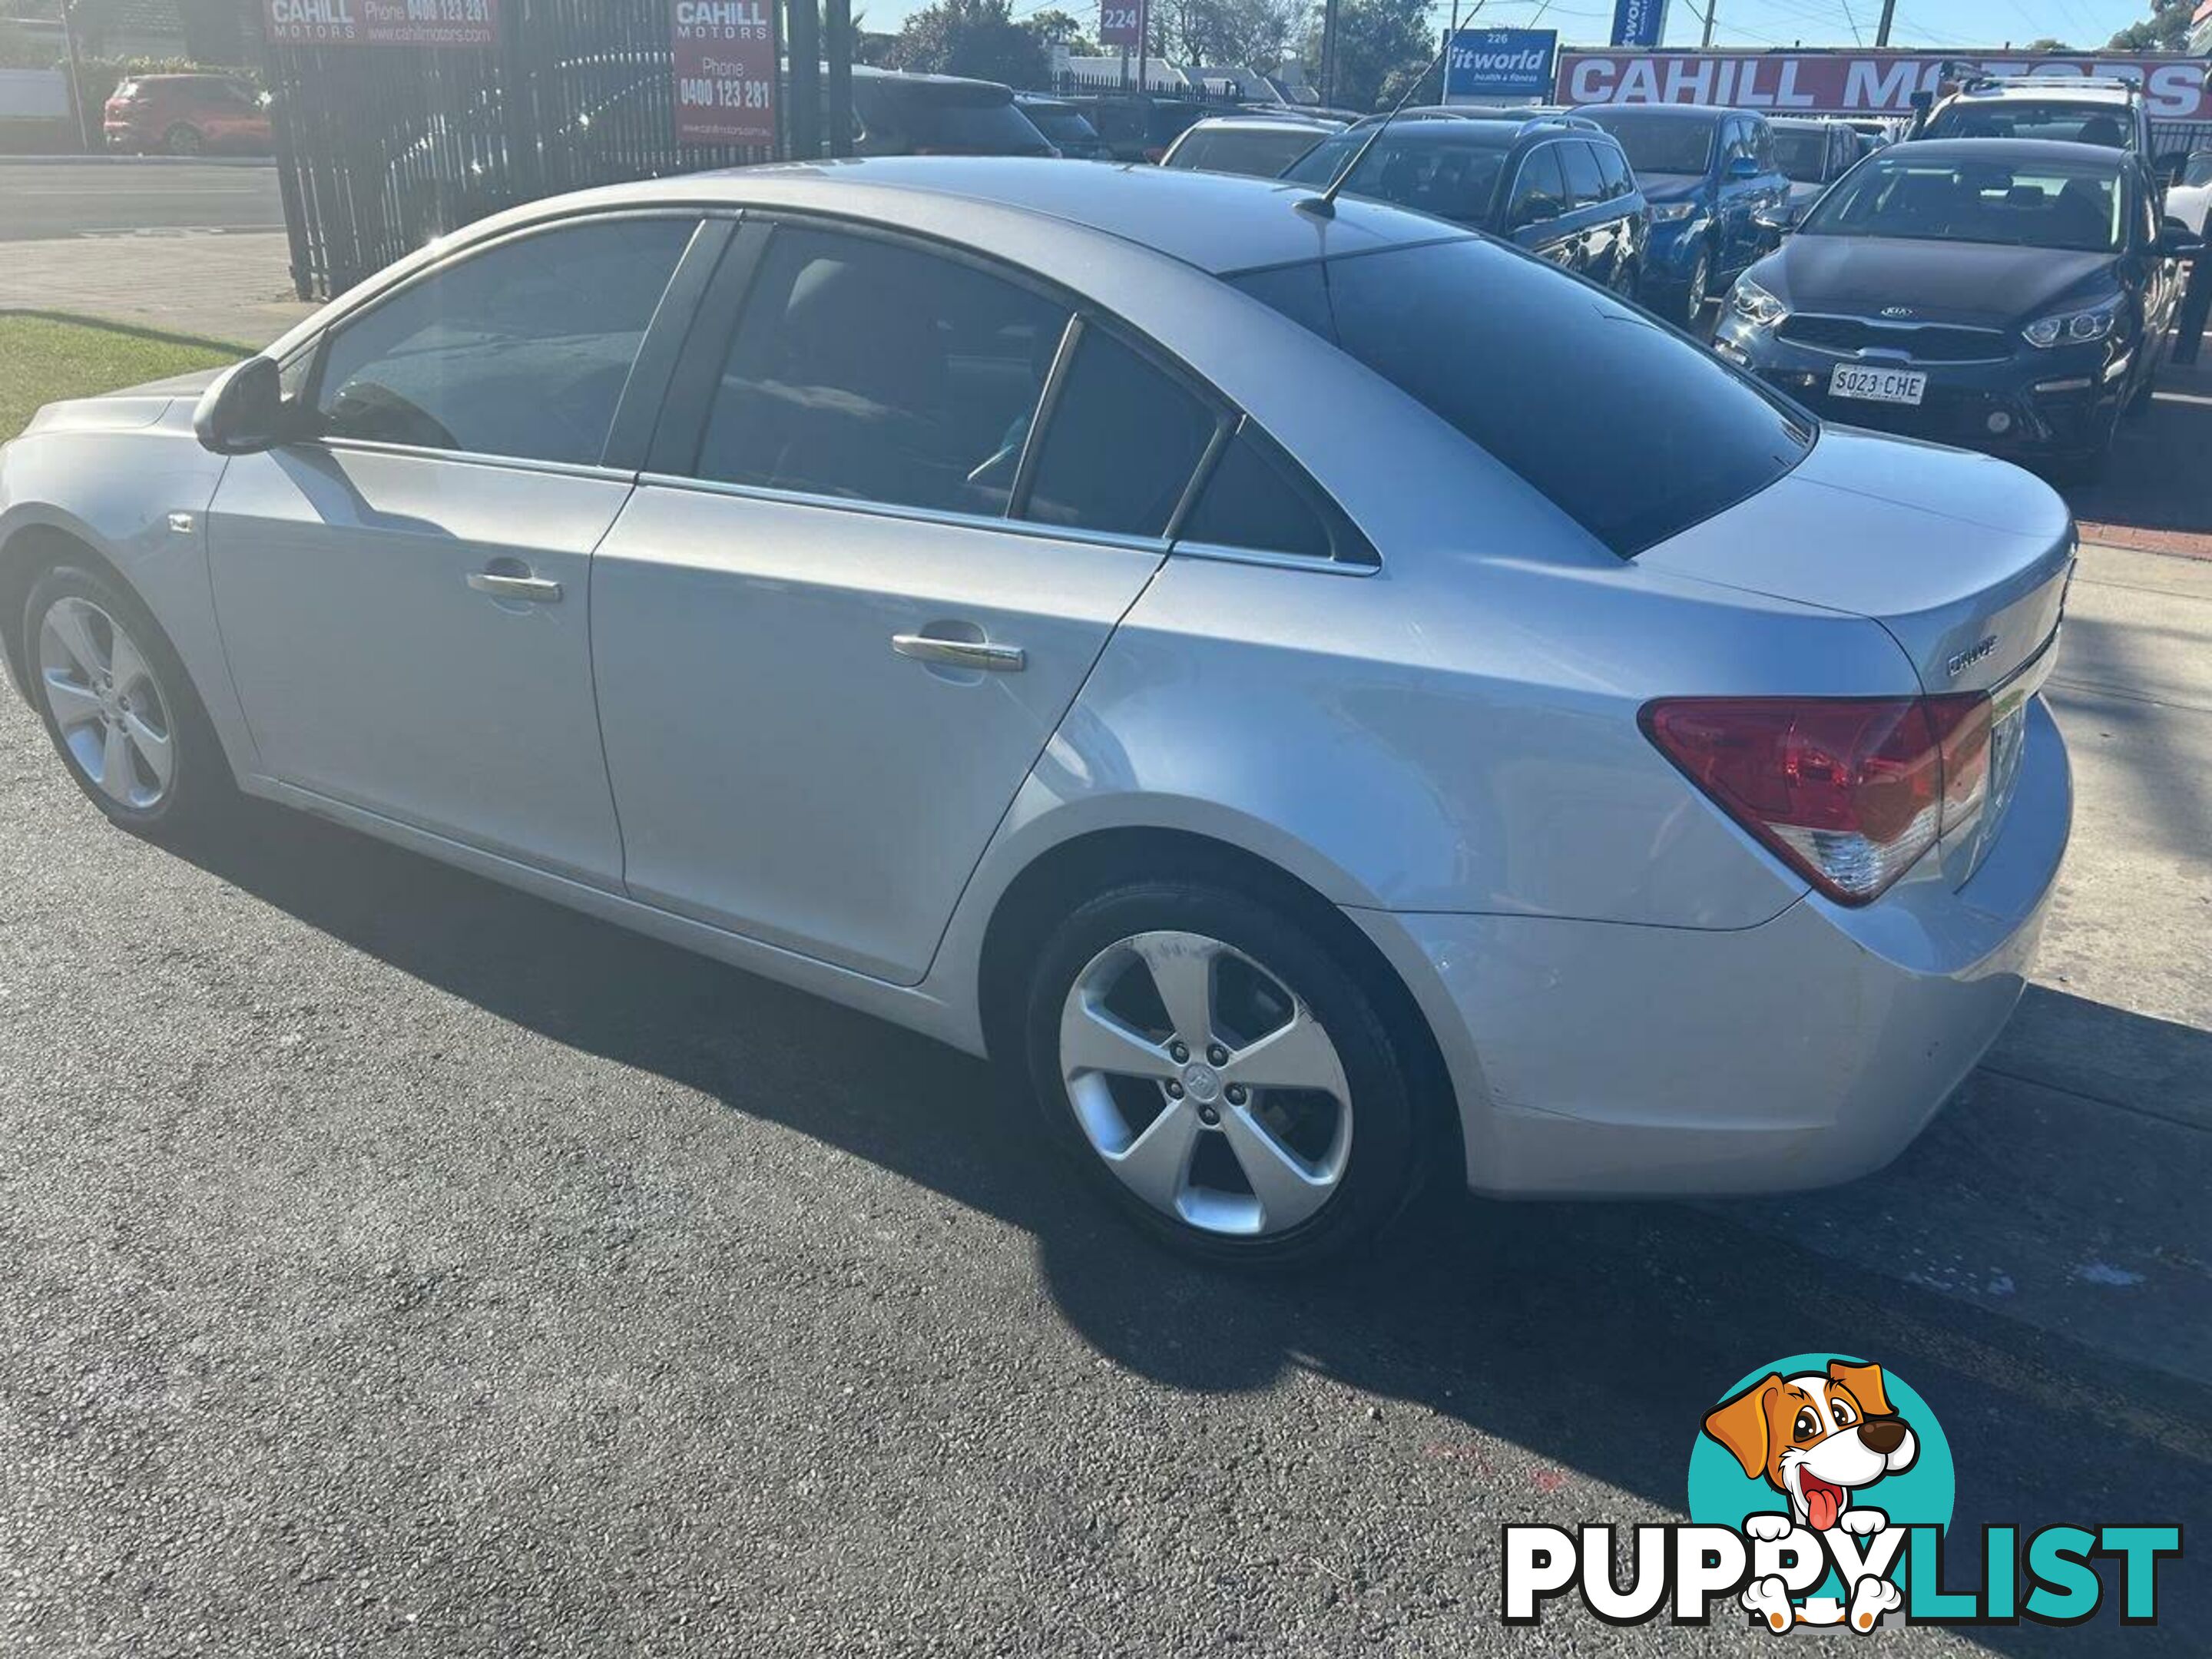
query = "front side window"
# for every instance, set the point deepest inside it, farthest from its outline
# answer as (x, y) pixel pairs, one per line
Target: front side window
(521, 351)
(1122, 442)
(1520, 372)
(2038, 204)
(1540, 189)
(879, 372)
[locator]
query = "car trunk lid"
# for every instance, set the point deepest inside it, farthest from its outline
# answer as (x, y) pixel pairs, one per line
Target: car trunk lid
(1963, 559)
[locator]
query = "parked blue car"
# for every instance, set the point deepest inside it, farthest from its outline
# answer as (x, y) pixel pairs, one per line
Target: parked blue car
(1708, 172)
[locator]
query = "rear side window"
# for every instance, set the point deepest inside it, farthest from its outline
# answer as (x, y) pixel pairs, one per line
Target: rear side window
(877, 372)
(1121, 444)
(1614, 168)
(1585, 183)
(1628, 426)
(519, 351)
(1259, 500)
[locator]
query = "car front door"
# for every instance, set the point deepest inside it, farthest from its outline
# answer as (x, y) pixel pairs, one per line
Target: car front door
(1536, 214)
(861, 582)
(404, 591)
(1599, 230)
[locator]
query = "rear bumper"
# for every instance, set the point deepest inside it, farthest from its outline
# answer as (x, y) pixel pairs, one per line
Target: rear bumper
(1594, 1058)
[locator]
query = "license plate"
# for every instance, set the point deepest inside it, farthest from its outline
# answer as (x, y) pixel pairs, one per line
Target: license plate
(1877, 385)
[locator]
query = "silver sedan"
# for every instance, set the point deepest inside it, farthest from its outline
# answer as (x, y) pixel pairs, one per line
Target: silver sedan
(1338, 705)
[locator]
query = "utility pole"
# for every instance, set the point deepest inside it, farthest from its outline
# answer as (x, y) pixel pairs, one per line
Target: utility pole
(76, 77)
(1888, 15)
(1706, 44)
(1328, 54)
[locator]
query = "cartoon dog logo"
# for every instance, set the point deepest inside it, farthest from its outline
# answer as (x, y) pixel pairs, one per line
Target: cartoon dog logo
(1818, 1439)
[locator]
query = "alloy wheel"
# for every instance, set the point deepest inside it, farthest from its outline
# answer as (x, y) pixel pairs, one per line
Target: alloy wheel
(112, 715)
(1206, 1084)
(1700, 281)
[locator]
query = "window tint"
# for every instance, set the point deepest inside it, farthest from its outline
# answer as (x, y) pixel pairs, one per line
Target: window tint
(1585, 183)
(1760, 137)
(1659, 140)
(1614, 165)
(1258, 498)
(1120, 446)
(1520, 373)
(876, 371)
(1539, 192)
(521, 351)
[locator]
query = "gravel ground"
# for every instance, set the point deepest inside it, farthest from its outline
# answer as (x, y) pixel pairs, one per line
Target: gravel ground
(397, 1265)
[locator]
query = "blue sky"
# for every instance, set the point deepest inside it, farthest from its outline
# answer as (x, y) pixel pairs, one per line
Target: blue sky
(1927, 23)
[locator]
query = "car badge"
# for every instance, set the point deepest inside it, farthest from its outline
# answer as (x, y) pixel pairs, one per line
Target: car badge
(1897, 311)
(1972, 654)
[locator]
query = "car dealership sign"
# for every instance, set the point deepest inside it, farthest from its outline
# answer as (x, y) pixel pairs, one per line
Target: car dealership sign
(725, 71)
(1848, 82)
(437, 23)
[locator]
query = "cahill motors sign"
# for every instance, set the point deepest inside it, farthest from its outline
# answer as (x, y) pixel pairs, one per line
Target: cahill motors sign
(1875, 83)
(457, 23)
(725, 71)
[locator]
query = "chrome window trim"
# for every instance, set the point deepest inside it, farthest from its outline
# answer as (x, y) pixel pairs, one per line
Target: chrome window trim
(1320, 563)
(465, 457)
(1155, 546)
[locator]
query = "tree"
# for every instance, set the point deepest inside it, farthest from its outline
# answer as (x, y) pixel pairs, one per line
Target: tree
(1055, 28)
(1381, 45)
(2166, 29)
(1232, 33)
(2046, 44)
(215, 31)
(971, 37)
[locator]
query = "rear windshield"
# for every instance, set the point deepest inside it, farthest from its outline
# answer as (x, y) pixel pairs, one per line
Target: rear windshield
(1060, 123)
(1263, 154)
(953, 118)
(1659, 144)
(1452, 176)
(1628, 426)
(2066, 123)
(1802, 153)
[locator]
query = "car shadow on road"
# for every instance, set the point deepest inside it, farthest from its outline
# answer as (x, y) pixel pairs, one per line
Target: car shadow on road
(1593, 1335)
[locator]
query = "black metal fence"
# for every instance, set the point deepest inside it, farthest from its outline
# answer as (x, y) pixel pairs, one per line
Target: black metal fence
(379, 148)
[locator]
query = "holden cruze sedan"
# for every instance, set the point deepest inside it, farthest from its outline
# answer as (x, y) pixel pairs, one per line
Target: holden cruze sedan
(2008, 293)
(1336, 703)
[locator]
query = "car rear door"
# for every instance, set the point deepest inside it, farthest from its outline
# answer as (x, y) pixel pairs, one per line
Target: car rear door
(1597, 227)
(406, 591)
(864, 579)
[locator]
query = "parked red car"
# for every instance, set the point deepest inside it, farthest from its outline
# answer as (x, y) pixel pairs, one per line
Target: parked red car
(187, 115)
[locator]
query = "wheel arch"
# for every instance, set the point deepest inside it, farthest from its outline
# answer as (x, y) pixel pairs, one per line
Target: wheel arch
(1063, 875)
(27, 553)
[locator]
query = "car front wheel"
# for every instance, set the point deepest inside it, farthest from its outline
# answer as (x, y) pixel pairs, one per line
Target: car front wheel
(117, 706)
(183, 140)
(1697, 290)
(1222, 1076)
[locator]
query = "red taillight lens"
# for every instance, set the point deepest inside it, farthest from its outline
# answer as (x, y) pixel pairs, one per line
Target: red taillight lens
(1848, 791)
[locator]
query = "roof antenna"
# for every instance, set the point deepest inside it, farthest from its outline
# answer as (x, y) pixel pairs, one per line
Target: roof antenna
(1323, 206)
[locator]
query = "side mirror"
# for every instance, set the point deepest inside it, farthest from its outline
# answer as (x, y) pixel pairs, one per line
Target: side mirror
(243, 412)
(1742, 166)
(1776, 222)
(2177, 241)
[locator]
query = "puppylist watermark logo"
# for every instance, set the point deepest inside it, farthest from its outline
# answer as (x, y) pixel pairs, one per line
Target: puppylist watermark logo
(1820, 1490)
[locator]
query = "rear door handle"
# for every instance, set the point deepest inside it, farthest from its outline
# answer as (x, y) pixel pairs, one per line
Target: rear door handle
(962, 653)
(536, 589)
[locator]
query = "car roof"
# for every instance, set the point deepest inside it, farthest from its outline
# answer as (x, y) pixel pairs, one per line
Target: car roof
(1263, 123)
(2008, 149)
(1216, 222)
(1795, 122)
(2050, 88)
(1674, 112)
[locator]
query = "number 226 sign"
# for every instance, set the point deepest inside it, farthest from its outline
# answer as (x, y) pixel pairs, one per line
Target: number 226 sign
(725, 71)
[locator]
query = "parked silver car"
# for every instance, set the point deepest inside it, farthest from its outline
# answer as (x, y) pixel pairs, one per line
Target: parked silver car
(1334, 700)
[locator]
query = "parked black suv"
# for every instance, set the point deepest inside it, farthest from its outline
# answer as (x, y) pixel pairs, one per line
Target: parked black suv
(2010, 294)
(1557, 185)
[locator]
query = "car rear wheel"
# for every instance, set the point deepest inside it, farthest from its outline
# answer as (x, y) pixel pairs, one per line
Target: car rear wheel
(117, 704)
(1223, 1078)
(183, 139)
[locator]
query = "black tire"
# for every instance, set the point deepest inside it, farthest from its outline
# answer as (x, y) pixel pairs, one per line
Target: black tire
(1697, 290)
(183, 139)
(200, 786)
(1394, 1147)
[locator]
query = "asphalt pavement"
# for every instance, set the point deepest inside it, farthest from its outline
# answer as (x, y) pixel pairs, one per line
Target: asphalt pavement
(52, 196)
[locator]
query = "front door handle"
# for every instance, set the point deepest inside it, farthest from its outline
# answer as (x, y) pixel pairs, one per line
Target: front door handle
(962, 653)
(536, 589)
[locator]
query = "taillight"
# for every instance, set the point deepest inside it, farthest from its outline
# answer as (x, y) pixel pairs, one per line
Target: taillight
(1848, 791)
